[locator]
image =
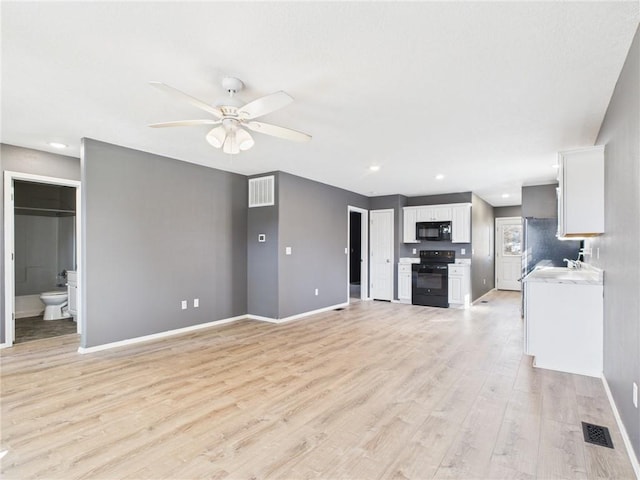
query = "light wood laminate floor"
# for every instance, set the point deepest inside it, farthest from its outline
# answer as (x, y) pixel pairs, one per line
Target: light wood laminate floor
(376, 390)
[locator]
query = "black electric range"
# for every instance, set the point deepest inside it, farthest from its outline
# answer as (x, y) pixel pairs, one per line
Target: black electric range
(430, 278)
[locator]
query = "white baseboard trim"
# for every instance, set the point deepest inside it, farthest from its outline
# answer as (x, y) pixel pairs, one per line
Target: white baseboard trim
(29, 313)
(4, 345)
(299, 315)
(155, 336)
(623, 431)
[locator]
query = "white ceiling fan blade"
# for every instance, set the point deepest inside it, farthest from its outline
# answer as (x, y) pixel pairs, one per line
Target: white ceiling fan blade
(216, 137)
(185, 123)
(277, 131)
(264, 105)
(230, 144)
(174, 92)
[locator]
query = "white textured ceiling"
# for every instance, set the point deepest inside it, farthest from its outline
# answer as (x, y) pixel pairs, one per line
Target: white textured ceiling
(483, 93)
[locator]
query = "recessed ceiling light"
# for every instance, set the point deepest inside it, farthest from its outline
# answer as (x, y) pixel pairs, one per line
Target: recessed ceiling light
(374, 168)
(57, 145)
(505, 195)
(439, 176)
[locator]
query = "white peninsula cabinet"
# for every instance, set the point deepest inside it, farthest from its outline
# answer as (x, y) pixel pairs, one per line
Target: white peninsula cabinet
(581, 192)
(459, 214)
(563, 327)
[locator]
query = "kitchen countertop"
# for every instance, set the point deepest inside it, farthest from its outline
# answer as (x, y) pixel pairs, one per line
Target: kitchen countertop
(584, 276)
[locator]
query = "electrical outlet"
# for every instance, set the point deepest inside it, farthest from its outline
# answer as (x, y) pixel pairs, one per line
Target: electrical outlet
(415, 250)
(287, 250)
(196, 302)
(316, 292)
(184, 304)
(463, 251)
(635, 394)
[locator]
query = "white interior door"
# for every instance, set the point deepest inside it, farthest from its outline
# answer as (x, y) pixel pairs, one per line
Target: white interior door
(381, 254)
(508, 253)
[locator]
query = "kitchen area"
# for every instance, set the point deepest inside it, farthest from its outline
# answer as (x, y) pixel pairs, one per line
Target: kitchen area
(562, 301)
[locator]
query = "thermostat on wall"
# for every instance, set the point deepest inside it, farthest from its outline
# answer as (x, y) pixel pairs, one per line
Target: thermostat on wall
(262, 237)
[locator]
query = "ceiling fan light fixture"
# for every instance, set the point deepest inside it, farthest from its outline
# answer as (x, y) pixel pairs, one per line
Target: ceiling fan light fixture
(230, 144)
(232, 116)
(216, 137)
(243, 139)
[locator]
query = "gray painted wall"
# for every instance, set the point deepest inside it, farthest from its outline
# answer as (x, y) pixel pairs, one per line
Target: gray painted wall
(25, 160)
(540, 201)
(482, 259)
(511, 211)
(158, 231)
(262, 258)
(460, 197)
(619, 255)
(313, 221)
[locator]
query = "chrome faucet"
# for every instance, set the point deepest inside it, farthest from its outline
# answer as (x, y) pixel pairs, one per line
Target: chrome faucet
(573, 264)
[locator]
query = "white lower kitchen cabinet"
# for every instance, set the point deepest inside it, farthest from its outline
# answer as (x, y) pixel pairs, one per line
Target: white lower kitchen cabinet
(563, 326)
(404, 283)
(459, 284)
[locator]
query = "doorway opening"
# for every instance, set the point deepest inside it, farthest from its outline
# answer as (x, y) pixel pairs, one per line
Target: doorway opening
(357, 254)
(42, 257)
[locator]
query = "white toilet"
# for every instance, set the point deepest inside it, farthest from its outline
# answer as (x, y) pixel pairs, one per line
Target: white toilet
(54, 305)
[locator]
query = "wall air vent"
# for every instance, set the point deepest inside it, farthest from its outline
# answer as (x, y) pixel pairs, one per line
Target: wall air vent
(262, 191)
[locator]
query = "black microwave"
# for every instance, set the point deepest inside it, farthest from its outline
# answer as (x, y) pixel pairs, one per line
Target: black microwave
(434, 231)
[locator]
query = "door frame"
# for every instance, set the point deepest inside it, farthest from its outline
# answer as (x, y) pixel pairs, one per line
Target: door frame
(364, 251)
(498, 221)
(9, 227)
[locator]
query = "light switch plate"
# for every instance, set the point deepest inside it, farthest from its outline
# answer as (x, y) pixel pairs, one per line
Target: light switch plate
(463, 251)
(196, 302)
(287, 250)
(184, 304)
(262, 237)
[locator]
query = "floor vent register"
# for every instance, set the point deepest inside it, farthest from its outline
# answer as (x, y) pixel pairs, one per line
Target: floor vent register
(597, 435)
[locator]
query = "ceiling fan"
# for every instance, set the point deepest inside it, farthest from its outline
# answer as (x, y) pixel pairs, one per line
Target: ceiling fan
(232, 117)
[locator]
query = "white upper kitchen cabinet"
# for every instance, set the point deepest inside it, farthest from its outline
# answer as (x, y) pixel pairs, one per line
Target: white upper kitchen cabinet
(581, 192)
(459, 214)
(409, 219)
(434, 213)
(461, 223)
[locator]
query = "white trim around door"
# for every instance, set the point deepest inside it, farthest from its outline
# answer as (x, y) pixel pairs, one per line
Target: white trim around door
(508, 253)
(364, 251)
(9, 267)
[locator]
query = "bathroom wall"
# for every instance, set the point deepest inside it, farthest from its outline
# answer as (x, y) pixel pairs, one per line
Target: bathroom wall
(36, 254)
